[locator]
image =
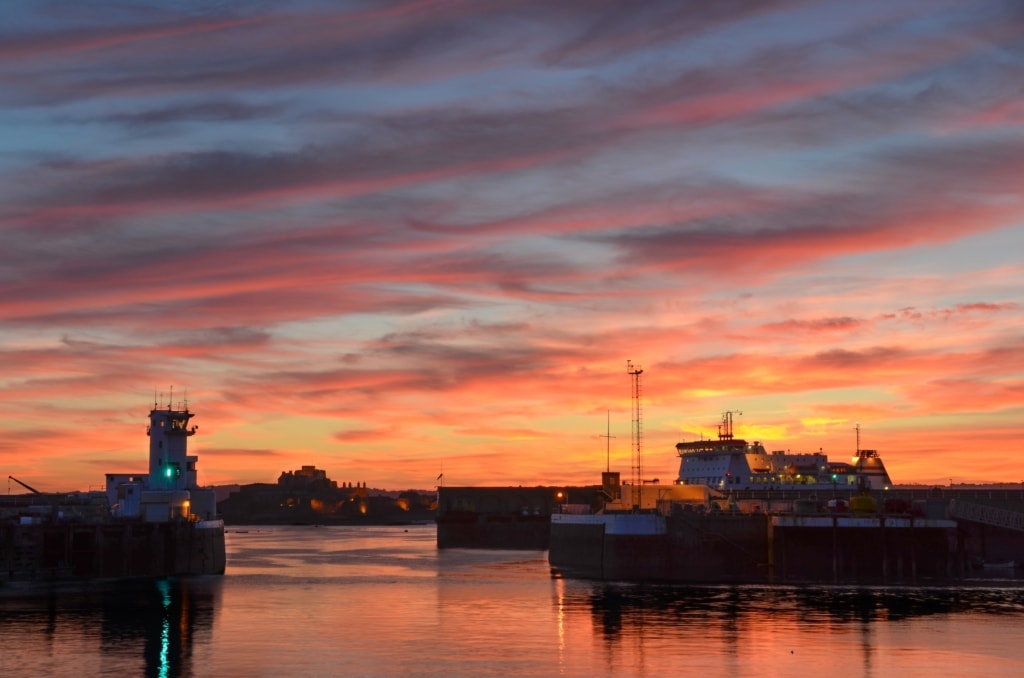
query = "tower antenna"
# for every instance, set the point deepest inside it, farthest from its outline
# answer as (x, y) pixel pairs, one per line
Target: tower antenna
(637, 432)
(608, 439)
(725, 428)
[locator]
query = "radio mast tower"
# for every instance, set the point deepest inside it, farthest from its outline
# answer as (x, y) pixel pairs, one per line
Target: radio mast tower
(635, 371)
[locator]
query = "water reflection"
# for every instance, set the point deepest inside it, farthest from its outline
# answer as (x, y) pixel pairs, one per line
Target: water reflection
(780, 626)
(361, 601)
(146, 626)
(165, 615)
(616, 605)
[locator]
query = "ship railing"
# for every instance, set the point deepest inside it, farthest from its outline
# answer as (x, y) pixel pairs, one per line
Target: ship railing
(572, 509)
(985, 514)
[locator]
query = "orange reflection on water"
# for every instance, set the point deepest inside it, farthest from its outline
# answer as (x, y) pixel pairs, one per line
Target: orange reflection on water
(385, 601)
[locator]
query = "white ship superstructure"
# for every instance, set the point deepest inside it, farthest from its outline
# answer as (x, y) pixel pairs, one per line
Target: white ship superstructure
(732, 463)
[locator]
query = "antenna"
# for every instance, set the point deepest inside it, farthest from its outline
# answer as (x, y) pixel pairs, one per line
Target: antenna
(608, 450)
(637, 431)
(725, 428)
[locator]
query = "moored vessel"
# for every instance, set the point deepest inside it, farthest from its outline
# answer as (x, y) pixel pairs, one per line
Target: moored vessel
(707, 528)
(729, 463)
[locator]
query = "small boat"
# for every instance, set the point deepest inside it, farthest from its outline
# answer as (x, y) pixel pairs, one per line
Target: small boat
(1005, 565)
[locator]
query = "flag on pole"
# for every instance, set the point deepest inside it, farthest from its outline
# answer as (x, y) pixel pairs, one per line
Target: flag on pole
(440, 476)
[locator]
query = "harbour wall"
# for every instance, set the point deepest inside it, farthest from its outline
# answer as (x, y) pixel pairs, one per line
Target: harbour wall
(756, 548)
(503, 517)
(479, 516)
(692, 548)
(875, 548)
(55, 551)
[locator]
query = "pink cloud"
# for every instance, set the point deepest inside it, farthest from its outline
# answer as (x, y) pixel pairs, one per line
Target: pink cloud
(80, 41)
(384, 240)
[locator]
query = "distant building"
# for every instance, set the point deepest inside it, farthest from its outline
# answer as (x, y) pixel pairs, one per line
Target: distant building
(307, 477)
(309, 496)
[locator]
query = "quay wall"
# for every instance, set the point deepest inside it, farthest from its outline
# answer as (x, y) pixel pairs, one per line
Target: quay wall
(483, 503)
(500, 531)
(756, 548)
(691, 548)
(503, 517)
(723, 548)
(43, 552)
(868, 549)
(578, 549)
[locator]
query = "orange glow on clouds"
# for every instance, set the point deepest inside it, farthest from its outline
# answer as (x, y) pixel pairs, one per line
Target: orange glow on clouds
(428, 237)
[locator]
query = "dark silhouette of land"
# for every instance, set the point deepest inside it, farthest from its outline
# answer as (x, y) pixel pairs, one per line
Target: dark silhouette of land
(308, 497)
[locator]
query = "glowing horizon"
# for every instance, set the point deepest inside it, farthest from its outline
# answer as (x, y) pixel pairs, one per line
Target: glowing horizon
(393, 238)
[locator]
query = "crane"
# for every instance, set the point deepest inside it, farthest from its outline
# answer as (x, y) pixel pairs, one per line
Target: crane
(26, 486)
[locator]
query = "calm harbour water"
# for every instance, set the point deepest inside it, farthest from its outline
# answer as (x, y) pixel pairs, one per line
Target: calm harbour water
(383, 601)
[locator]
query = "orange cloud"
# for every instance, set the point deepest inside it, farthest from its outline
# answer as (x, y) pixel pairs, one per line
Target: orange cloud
(431, 234)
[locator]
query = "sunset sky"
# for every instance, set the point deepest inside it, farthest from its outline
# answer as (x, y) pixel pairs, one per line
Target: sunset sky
(393, 239)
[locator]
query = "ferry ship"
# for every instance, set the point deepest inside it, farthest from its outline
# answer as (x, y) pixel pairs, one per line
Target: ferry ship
(705, 529)
(733, 464)
(154, 524)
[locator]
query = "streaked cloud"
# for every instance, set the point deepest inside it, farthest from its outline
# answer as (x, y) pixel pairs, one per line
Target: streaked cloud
(389, 237)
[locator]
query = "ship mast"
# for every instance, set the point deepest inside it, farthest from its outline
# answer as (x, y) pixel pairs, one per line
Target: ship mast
(637, 432)
(725, 428)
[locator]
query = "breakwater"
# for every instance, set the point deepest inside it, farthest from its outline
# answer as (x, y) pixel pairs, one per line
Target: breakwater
(788, 534)
(502, 517)
(754, 548)
(55, 551)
